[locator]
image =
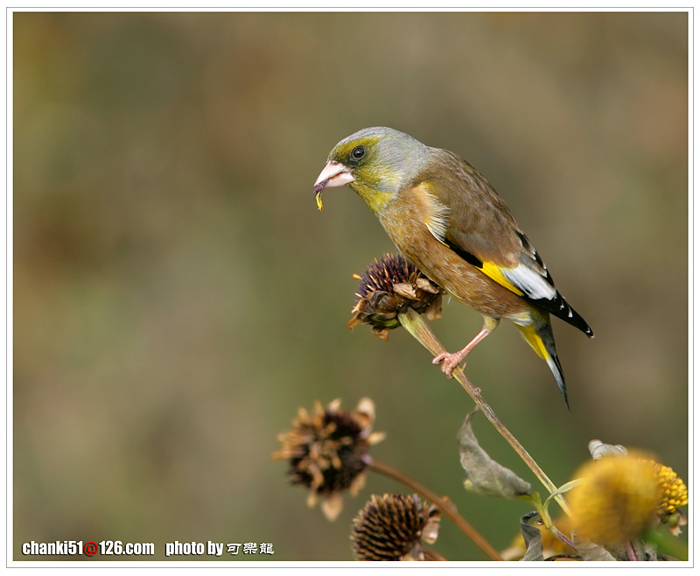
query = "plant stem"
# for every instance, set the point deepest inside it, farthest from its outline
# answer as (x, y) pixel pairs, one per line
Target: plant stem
(445, 506)
(414, 324)
(536, 501)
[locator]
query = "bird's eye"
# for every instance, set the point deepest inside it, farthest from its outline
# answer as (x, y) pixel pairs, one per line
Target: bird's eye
(357, 153)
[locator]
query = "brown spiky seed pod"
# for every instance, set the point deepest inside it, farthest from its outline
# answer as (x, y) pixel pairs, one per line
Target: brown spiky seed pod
(391, 527)
(327, 451)
(390, 286)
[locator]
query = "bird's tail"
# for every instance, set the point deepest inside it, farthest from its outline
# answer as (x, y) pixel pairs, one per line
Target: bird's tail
(539, 336)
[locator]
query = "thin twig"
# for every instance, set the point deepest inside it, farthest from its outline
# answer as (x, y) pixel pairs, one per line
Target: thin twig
(536, 501)
(445, 506)
(414, 324)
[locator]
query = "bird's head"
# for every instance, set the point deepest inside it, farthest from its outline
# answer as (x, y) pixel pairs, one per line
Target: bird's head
(375, 162)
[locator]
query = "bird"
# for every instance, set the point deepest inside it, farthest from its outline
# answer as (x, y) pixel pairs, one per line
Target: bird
(446, 218)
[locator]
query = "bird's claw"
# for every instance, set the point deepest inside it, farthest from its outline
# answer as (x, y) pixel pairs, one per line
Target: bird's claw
(449, 362)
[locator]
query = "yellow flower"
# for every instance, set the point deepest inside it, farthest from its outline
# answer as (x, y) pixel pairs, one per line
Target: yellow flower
(674, 493)
(616, 501)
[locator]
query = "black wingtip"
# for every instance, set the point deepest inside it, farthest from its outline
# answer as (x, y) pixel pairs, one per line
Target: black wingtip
(576, 320)
(563, 310)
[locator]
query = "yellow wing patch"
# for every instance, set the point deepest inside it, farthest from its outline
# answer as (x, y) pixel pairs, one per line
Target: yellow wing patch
(533, 339)
(494, 272)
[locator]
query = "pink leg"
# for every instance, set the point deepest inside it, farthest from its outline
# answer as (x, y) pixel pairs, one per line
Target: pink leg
(450, 361)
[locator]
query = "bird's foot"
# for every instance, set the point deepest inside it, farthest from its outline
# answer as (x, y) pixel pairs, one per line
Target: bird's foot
(449, 362)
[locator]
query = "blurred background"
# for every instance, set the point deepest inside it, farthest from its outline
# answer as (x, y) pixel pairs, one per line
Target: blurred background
(177, 294)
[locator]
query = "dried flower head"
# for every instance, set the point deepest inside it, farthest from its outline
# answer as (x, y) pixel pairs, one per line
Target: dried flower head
(617, 500)
(391, 527)
(327, 451)
(389, 286)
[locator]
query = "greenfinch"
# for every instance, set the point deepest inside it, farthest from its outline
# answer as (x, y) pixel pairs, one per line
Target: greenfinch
(447, 219)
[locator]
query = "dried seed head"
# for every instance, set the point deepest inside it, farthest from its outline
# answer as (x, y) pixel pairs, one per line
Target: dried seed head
(391, 527)
(389, 286)
(327, 451)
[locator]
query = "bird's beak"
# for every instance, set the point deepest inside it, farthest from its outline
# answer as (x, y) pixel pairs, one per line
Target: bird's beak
(334, 174)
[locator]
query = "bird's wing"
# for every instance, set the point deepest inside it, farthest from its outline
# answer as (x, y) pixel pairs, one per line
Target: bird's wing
(474, 221)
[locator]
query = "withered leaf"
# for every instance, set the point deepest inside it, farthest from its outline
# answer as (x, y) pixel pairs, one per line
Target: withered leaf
(484, 475)
(599, 450)
(532, 537)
